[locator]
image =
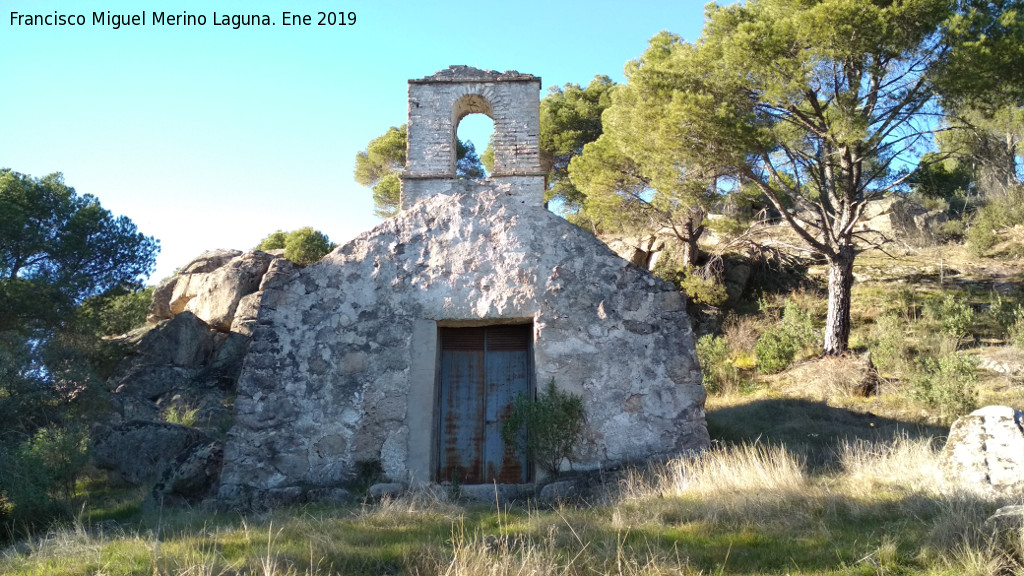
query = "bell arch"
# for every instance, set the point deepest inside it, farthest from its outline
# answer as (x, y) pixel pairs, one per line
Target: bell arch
(439, 102)
(467, 106)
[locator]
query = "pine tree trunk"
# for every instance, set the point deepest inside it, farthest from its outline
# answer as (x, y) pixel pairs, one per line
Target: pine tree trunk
(691, 252)
(692, 231)
(840, 284)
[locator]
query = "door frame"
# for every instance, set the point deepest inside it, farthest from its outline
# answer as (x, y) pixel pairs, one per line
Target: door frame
(436, 443)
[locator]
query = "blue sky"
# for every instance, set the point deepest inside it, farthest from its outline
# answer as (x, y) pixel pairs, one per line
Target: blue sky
(209, 137)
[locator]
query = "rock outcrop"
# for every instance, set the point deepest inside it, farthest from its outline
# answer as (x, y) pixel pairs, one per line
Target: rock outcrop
(898, 218)
(985, 451)
(174, 392)
(212, 286)
(139, 451)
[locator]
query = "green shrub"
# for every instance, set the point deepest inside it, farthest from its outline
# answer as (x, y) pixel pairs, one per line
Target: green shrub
(951, 231)
(998, 213)
(25, 504)
(183, 415)
(37, 478)
(777, 348)
(720, 374)
(889, 345)
(63, 452)
(1015, 333)
(547, 428)
(954, 313)
(703, 287)
(304, 246)
(701, 284)
(1008, 314)
(947, 385)
(117, 311)
(274, 241)
(775, 352)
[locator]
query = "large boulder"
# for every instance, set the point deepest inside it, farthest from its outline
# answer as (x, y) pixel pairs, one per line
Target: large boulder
(172, 295)
(900, 218)
(182, 369)
(192, 477)
(218, 292)
(138, 452)
(985, 451)
(184, 341)
(167, 357)
(213, 285)
(180, 365)
(249, 305)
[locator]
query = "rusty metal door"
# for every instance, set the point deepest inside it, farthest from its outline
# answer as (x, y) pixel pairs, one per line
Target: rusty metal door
(482, 370)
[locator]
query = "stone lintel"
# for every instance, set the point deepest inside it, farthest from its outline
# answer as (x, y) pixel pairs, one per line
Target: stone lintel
(461, 73)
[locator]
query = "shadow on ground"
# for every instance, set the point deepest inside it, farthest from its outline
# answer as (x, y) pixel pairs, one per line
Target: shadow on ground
(814, 430)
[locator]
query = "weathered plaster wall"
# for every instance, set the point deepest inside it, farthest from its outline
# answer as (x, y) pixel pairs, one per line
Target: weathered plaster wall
(341, 364)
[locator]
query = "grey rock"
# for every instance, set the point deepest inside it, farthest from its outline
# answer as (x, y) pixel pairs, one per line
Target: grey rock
(898, 218)
(227, 362)
(331, 495)
(279, 271)
(149, 382)
(1007, 519)
(184, 341)
(559, 491)
(139, 451)
(387, 489)
(246, 313)
(191, 477)
(496, 494)
(985, 451)
(737, 276)
(217, 293)
(171, 296)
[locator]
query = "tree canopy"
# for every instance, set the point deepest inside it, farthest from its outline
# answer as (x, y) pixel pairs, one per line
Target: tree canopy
(816, 104)
(627, 178)
(984, 68)
(70, 274)
(58, 247)
(379, 166)
(570, 118)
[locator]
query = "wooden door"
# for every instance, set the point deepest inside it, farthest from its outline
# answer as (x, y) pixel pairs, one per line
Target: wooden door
(482, 370)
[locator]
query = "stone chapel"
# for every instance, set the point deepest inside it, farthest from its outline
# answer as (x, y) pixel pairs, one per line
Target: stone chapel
(408, 344)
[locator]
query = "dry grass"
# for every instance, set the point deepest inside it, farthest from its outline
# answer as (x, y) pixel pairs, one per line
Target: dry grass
(742, 332)
(826, 379)
(550, 555)
(724, 473)
(749, 508)
(905, 465)
(423, 503)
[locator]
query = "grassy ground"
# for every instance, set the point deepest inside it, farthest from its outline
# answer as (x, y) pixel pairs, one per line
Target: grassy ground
(803, 478)
(748, 508)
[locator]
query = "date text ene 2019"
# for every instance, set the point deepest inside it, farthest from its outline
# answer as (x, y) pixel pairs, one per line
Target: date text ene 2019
(322, 19)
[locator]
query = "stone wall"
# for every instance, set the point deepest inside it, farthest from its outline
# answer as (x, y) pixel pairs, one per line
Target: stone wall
(342, 363)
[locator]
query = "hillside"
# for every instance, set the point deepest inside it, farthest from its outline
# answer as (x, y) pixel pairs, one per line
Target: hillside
(805, 476)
